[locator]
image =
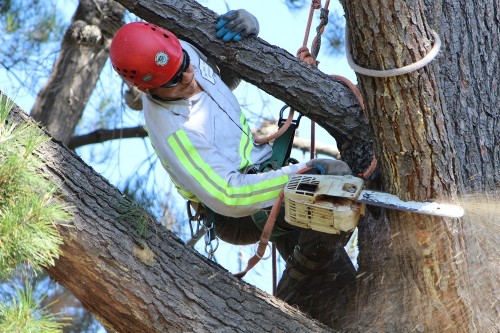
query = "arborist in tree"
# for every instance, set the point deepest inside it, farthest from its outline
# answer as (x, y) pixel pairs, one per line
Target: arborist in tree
(203, 140)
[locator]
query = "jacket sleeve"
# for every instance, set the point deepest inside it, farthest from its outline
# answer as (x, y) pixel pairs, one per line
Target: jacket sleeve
(206, 173)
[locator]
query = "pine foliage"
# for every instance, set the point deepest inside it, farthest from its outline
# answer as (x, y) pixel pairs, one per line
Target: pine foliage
(29, 216)
(24, 313)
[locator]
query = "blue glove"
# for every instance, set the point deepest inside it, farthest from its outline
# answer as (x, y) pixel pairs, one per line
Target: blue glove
(330, 167)
(236, 24)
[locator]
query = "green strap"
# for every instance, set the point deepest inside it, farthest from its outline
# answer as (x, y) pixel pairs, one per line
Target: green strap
(282, 148)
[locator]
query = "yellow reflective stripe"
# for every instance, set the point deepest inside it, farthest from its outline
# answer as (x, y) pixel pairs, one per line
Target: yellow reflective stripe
(186, 194)
(217, 186)
(245, 144)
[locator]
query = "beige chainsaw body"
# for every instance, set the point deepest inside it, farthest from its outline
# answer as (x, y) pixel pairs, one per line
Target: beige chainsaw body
(323, 203)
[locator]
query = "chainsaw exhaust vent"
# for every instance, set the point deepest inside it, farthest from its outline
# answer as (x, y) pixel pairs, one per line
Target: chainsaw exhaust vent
(303, 185)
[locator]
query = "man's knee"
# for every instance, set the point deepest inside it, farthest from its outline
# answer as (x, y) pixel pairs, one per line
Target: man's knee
(237, 231)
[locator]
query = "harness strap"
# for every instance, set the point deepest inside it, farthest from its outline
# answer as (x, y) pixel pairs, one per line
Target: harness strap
(264, 238)
(282, 148)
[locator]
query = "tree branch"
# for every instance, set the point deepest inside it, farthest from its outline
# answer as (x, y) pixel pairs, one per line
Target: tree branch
(308, 90)
(148, 280)
(102, 135)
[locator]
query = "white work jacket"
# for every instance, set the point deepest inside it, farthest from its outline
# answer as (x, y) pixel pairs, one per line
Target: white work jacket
(205, 144)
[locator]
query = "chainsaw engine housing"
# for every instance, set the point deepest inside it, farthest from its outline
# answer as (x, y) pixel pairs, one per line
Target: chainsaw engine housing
(323, 203)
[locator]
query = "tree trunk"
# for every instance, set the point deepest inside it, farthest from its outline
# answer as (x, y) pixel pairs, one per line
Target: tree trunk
(416, 272)
(137, 276)
(84, 51)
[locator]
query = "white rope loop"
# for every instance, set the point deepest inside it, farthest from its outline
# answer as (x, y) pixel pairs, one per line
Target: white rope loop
(395, 71)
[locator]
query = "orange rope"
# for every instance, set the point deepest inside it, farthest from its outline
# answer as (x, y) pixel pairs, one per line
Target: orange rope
(264, 238)
(305, 56)
(370, 169)
(280, 131)
(266, 233)
(315, 4)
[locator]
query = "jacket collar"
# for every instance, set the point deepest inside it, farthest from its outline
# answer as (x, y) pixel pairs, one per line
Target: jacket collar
(180, 107)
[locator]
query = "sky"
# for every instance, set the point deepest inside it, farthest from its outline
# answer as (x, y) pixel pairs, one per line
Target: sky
(278, 26)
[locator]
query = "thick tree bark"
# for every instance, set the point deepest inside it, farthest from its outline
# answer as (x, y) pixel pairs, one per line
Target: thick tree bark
(469, 78)
(420, 269)
(136, 276)
(84, 51)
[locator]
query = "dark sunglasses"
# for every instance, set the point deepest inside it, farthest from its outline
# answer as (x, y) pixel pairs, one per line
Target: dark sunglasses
(177, 78)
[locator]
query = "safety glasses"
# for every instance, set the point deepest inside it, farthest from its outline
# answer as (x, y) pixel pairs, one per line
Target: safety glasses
(177, 78)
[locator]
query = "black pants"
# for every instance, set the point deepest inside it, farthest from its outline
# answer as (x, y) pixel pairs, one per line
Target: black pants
(311, 256)
(243, 231)
(299, 247)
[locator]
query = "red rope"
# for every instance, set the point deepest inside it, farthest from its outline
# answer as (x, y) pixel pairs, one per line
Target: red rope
(279, 132)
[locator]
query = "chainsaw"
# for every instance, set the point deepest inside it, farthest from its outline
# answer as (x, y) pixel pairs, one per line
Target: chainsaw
(334, 204)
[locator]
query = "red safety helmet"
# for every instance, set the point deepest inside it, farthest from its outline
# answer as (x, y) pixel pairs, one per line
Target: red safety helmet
(145, 55)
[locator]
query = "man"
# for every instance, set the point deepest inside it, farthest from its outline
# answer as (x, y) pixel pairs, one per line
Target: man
(204, 142)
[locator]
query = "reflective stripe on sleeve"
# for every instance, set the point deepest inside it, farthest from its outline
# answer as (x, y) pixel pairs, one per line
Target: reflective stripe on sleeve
(246, 143)
(215, 184)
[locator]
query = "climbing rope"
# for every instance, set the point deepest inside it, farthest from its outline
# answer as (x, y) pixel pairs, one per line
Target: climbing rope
(279, 132)
(323, 16)
(395, 71)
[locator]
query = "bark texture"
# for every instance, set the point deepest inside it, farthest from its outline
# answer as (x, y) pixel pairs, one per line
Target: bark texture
(427, 141)
(435, 132)
(136, 276)
(84, 51)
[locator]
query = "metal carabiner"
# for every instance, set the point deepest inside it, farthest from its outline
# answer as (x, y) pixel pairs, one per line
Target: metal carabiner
(263, 257)
(192, 218)
(209, 237)
(210, 252)
(282, 119)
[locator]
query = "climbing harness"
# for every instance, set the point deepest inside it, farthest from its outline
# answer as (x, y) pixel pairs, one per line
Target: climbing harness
(282, 146)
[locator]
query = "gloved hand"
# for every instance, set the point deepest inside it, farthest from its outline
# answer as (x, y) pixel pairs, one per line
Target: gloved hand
(236, 24)
(330, 167)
